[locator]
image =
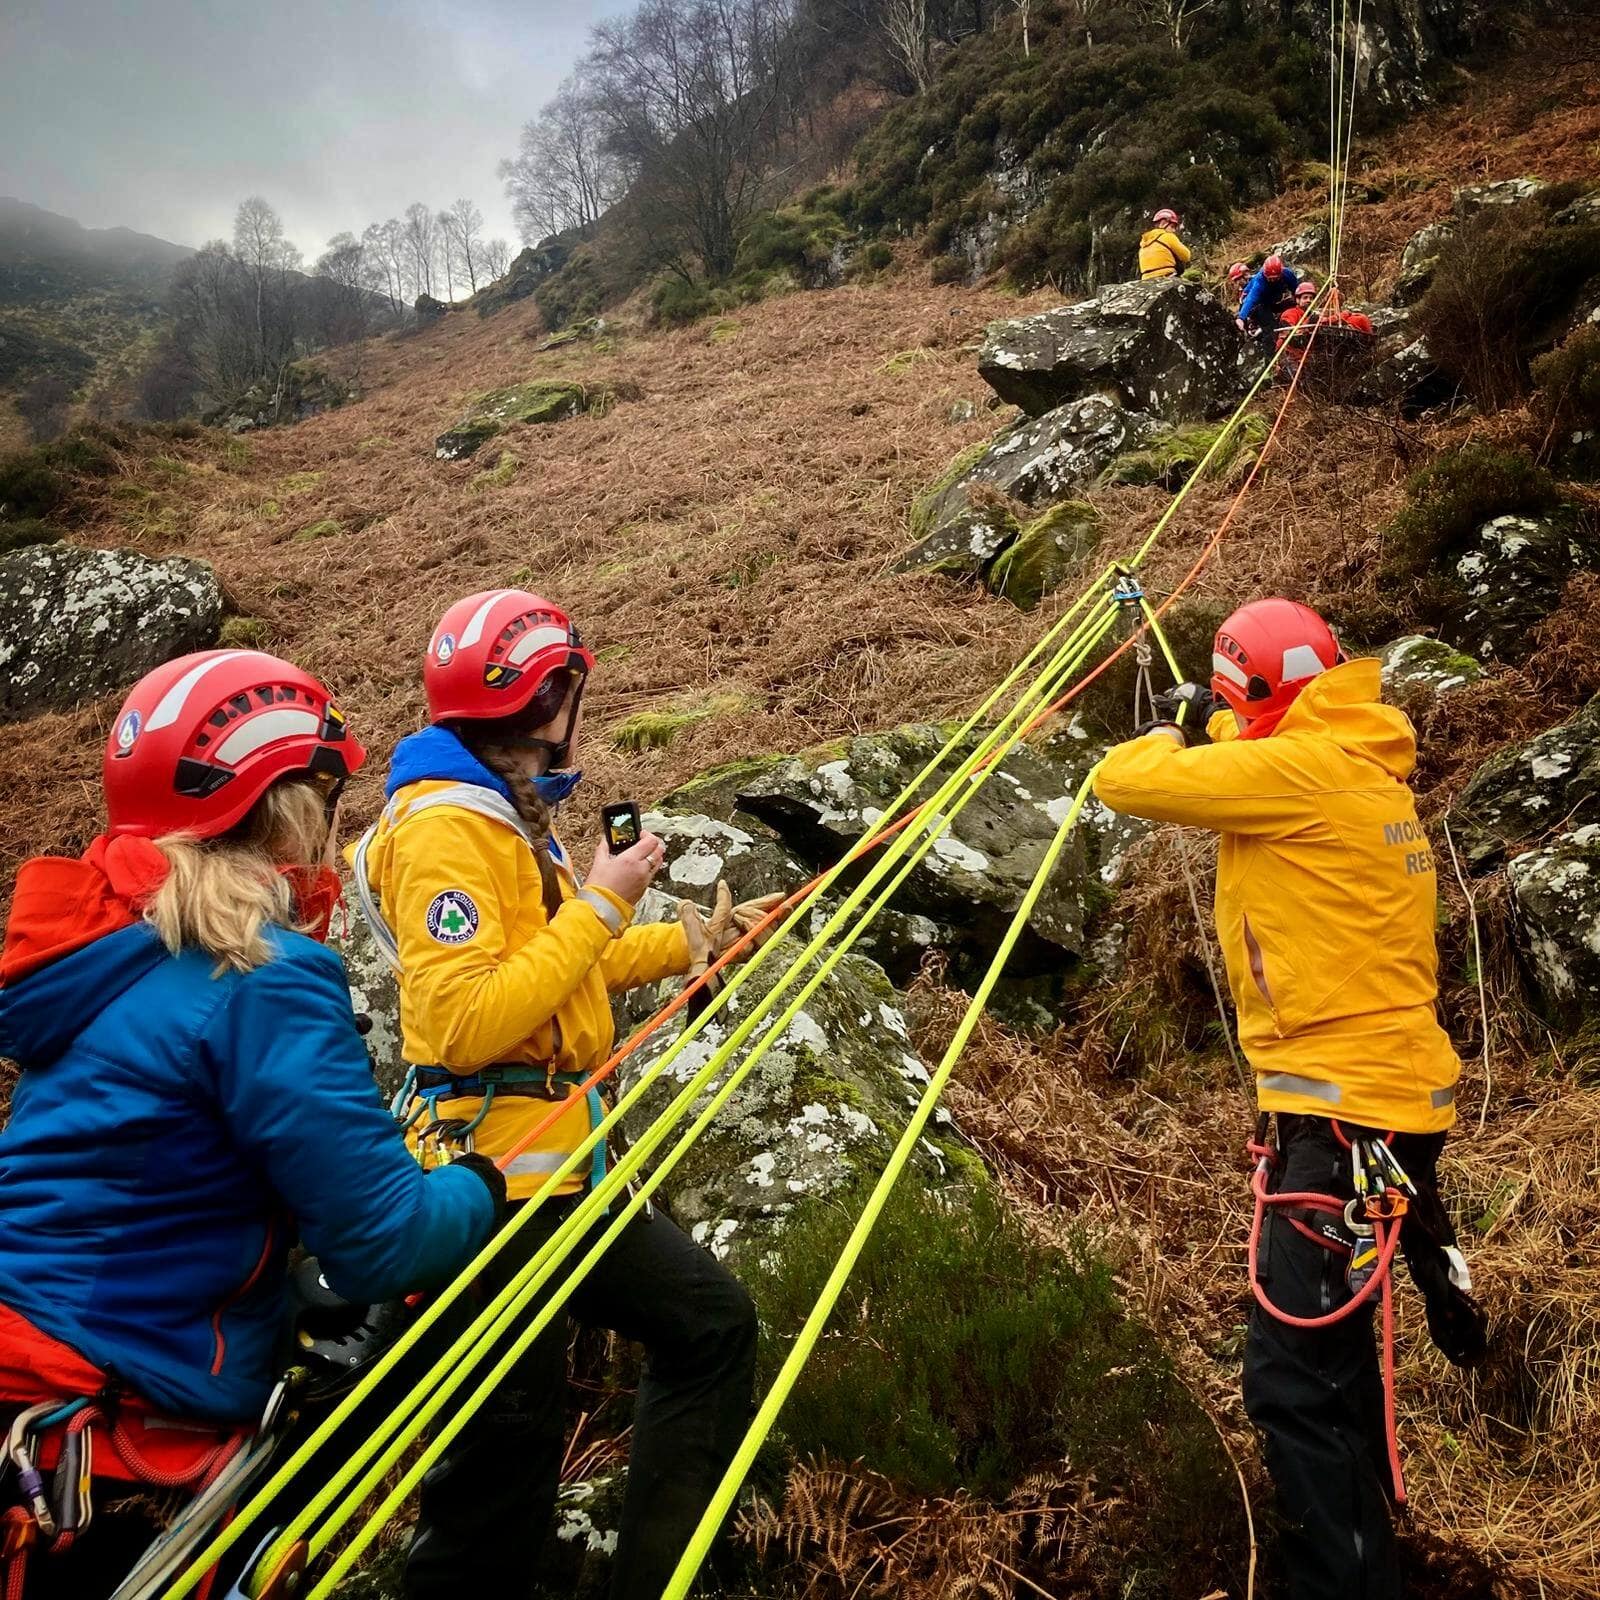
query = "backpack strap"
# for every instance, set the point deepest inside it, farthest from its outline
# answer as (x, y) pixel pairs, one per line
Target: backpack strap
(471, 797)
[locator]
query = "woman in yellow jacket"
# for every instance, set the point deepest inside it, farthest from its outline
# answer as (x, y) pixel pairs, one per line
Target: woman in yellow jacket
(507, 962)
(1162, 254)
(1325, 906)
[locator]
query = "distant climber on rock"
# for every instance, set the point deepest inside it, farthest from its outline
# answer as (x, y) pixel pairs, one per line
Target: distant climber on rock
(507, 959)
(1238, 277)
(1162, 254)
(1268, 295)
(1326, 899)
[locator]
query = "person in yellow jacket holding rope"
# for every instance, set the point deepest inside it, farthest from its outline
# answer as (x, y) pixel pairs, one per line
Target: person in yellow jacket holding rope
(1325, 908)
(507, 961)
(1162, 254)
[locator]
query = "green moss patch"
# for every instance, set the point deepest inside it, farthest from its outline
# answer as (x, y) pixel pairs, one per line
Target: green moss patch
(925, 507)
(243, 633)
(524, 404)
(327, 528)
(499, 475)
(1048, 552)
(655, 730)
(299, 483)
(1172, 460)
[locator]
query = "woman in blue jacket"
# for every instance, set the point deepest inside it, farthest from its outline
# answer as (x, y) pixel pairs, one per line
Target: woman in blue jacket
(194, 1094)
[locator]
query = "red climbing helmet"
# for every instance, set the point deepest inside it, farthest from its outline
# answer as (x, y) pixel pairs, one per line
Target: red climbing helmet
(1266, 653)
(1273, 266)
(493, 652)
(1306, 291)
(201, 739)
(1167, 218)
(1237, 271)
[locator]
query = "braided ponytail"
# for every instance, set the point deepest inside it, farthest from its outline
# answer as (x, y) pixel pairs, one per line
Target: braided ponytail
(510, 766)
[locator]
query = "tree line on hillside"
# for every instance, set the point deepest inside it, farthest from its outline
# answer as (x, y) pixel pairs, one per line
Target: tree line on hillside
(244, 308)
(687, 119)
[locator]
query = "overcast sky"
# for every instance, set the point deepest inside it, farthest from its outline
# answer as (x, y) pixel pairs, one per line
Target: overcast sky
(162, 115)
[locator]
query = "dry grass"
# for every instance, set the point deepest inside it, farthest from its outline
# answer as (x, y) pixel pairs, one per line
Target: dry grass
(728, 534)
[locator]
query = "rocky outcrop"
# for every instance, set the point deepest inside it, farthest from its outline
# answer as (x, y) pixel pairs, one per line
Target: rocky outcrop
(1401, 50)
(531, 267)
(301, 390)
(962, 520)
(1307, 248)
(960, 898)
(1407, 380)
(1512, 572)
(76, 624)
(429, 310)
(1555, 898)
(1420, 260)
(1519, 795)
(375, 995)
(1166, 348)
(1476, 197)
(818, 1112)
(1047, 553)
(527, 404)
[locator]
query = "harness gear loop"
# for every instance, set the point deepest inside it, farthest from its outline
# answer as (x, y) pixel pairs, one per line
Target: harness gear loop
(1374, 1227)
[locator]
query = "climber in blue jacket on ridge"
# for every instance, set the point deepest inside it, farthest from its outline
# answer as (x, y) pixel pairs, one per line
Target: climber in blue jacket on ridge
(1269, 294)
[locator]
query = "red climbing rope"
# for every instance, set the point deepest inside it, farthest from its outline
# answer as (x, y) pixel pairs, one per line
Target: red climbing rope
(1386, 1237)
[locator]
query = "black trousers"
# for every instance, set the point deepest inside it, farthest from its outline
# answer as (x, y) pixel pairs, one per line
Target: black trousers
(1317, 1394)
(487, 1503)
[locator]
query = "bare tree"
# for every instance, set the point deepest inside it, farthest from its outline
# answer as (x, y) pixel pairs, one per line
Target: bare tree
(1176, 17)
(688, 103)
(43, 404)
(905, 26)
(496, 258)
(462, 227)
(259, 246)
(422, 245)
(1024, 7)
(341, 302)
(564, 174)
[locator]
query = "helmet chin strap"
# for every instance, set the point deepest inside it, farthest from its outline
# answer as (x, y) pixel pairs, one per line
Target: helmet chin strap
(560, 749)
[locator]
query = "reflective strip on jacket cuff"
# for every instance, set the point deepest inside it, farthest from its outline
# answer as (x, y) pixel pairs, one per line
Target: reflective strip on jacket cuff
(603, 909)
(1440, 1098)
(1293, 1083)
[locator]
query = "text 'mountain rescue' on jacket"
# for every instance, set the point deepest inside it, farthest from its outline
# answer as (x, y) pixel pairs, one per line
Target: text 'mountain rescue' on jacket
(1326, 899)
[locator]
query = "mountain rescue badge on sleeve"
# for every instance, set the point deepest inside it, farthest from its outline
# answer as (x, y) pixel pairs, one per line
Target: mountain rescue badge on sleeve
(452, 917)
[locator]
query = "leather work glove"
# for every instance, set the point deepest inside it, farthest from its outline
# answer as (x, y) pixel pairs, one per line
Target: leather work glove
(713, 936)
(1202, 705)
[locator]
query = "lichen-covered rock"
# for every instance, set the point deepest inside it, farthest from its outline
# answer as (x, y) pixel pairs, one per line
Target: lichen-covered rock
(530, 268)
(429, 310)
(303, 389)
(375, 995)
(1420, 260)
(1512, 572)
(1584, 210)
(1417, 661)
(961, 897)
(1167, 348)
(1476, 197)
(818, 1112)
(525, 403)
(1038, 461)
(1555, 896)
(1309, 247)
(1048, 553)
(76, 623)
(1409, 380)
(1519, 795)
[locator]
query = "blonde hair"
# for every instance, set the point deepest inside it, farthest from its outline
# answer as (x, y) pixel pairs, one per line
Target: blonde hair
(221, 894)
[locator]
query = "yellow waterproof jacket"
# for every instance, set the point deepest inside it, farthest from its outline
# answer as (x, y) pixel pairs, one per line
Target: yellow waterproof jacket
(1162, 254)
(486, 977)
(1326, 899)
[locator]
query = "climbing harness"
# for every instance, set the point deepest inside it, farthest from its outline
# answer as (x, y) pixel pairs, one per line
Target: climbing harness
(59, 1437)
(1366, 1230)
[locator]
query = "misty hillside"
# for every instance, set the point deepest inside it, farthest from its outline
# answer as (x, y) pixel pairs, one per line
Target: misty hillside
(817, 440)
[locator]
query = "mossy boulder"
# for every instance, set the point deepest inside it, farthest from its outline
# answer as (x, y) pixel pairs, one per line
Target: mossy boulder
(1170, 460)
(303, 389)
(1511, 576)
(962, 520)
(1168, 348)
(525, 404)
(1417, 662)
(1047, 553)
(1555, 900)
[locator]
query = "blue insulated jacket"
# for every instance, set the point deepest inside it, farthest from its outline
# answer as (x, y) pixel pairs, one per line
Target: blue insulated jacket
(1269, 294)
(172, 1133)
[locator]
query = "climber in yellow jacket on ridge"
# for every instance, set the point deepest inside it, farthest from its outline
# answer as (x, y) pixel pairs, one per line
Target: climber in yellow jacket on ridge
(1162, 254)
(507, 959)
(1325, 908)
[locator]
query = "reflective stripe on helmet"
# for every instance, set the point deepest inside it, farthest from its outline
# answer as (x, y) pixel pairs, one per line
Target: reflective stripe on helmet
(1300, 661)
(255, 733)
(533, 640)
(1221, 665)
(170, 706)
